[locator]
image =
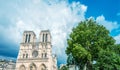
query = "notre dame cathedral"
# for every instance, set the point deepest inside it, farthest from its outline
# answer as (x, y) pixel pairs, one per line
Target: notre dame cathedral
(35, 55)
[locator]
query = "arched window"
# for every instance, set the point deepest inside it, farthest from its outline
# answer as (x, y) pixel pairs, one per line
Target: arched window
(45, 55)
(29, 38)
(26, 38)
(26, 55)
(23, 55)
(46, 37)
(43, 38)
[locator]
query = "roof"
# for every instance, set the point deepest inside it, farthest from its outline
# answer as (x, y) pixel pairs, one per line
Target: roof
(29, 32)
(45, 31)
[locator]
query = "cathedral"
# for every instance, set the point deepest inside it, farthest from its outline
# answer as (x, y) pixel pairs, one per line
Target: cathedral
(35, 55)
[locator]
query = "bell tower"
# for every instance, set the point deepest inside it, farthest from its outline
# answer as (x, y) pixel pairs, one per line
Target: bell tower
(28, 37)
(45, 36)
(28, 42)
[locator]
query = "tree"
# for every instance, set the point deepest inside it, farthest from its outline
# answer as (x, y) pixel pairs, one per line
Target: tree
(64, 68)
(88, 42)
(108, 60)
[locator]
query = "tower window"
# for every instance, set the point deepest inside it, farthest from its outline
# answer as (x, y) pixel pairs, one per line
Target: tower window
(26, 38)
(43, 38)
(29, 38)
(46, 38)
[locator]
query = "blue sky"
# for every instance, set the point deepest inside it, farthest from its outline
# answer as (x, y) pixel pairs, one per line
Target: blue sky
(108, 8)
(58, 16)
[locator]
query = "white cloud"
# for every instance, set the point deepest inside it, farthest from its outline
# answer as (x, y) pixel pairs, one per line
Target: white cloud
(56, 15)
(108, 24)
(117, 38)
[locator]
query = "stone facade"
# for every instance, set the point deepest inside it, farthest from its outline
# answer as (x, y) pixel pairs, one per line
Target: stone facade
(35, 55)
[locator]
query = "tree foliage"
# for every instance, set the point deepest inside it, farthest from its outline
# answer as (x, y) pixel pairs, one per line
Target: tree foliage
(64, 68)
(90, 42)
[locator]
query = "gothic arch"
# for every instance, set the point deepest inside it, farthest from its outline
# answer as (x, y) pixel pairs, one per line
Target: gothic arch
(32, 66)
(22, 67)
(43, 67)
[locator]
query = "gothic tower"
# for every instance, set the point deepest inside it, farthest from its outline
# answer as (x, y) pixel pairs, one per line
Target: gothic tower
(36, 55)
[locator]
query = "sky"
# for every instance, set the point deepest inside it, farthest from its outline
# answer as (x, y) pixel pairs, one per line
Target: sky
(59, 16)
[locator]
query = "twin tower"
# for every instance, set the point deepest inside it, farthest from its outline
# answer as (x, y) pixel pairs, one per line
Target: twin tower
(35, 55)
(30, 37)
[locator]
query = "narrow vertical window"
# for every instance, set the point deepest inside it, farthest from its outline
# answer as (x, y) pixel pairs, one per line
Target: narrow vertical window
(43, 38)
(23, 55)
(42, 55)
(45, 55)
(29, 38)
(46, 38)
(26, 38)
(26, 55)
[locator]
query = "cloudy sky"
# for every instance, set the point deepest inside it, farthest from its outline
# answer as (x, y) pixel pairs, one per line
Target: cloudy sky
(59, 16)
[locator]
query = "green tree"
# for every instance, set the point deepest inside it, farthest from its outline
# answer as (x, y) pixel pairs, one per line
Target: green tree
(64, 68)
(108, 60)
(88, 42)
